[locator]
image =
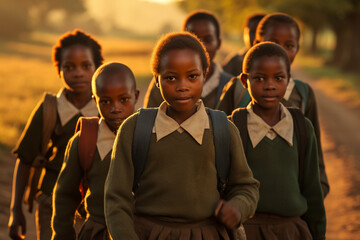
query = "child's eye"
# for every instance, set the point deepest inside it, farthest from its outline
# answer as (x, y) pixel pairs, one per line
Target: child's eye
(104, 101)
(258, 79)
(124, 99)
(67, 67)
(193, 76)
(87, 66)
(280, 78)
(289, 46)
(170, 78)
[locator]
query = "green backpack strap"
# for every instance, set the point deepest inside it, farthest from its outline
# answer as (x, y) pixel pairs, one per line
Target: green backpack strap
(88, 132)
(141, 141)
(221, 134)
(239, 118)
(241, 95)
(303, 89)
(300, 130)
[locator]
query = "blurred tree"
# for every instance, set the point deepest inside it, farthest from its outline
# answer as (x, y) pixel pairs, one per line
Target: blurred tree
(13, 19)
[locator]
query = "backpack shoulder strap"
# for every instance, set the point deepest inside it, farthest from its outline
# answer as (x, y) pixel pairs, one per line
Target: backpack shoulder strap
(303, 89)
(221, 132)
(88, 128)
(241, 95)
(300, 130)
(239, 118)
(141, 141)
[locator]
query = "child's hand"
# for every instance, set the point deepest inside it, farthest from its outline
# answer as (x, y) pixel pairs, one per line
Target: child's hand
(227, 214)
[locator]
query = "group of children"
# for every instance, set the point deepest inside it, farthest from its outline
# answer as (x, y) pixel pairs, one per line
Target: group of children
(181, 170)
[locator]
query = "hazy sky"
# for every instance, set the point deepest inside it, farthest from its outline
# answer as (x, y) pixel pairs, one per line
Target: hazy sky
(139, 15)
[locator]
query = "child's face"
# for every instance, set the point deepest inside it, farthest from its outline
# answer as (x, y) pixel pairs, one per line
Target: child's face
(115, 98)
(285, 35)
(267, 81)
(181, 79)
(77, 67)
(206, 32)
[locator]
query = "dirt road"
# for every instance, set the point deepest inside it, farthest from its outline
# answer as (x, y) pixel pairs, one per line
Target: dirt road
(341, 144)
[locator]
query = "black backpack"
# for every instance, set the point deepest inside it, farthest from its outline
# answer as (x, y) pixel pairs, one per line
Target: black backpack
(239, 117)
(142, 135)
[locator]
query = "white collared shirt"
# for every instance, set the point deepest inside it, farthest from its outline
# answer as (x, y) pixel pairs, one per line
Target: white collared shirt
(105, 139)
(258, 128)
(213, 82)
(67, 110)
(289, 89)
(194, 125)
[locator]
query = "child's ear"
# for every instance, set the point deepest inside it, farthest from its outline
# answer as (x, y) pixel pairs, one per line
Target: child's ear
(157, 81)
(243, 78)
(136, 95)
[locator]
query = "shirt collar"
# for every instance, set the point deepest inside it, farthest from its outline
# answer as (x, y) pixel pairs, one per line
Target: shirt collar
(258, 128)
(67, 110)
(194, 125)
(289, 89)
(213, 82)
(105, 139)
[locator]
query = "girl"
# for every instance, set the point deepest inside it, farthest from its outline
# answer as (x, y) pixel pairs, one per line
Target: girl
(76, 56)
(115, 94)
(177, 194)
(291, 202)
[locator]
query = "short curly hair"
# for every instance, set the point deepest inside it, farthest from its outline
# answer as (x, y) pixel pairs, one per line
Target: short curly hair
(268, 49)
(178, 41)
(202, 15)
(73, 38)
(273, 18)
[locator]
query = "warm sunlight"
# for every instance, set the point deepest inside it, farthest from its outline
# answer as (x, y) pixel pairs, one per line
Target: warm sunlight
(160, 1)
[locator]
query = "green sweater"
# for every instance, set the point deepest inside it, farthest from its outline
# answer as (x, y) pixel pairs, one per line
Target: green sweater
(227, 105)
(67, 196)
(29, 145)
(179, 182)
(275, 164)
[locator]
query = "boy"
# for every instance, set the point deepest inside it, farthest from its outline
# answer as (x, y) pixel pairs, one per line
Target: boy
(233, 63)
(291, 203)
(206, 27)
(115, 94)
(76, 56)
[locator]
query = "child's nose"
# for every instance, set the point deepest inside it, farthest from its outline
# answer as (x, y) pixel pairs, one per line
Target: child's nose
(270, 84)
(78, 72)
(182, 85)
(116, 107)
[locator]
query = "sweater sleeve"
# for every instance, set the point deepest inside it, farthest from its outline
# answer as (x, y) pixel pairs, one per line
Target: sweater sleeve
(66, 196)
(119, 200)
(226, 101)
(242, 188)
(315, 214)
(312, 114)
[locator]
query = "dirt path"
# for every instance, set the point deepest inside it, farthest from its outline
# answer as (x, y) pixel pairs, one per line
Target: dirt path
(340, 126)
(341, 144)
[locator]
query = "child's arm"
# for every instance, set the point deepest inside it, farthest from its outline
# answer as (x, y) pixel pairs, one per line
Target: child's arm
(228, 214)
(153, 96)
(119, 201)
(315, 215)
(242, 189)
(66, 195)
(17, 219)
(312, 114)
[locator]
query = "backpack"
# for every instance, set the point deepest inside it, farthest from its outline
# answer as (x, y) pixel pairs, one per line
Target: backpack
(241, 95)
(88, 132)
(49, 105)
(303, 89)
(142, 135)
(239, 117)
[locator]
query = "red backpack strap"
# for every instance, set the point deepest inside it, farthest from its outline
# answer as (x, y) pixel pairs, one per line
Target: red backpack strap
(88, 128)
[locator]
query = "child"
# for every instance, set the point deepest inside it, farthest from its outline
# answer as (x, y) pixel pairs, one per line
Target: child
(76, 56)
(176, 195)
(233, 63)
(206, 27)
(291, 201)
(284, 30)
(115, 94)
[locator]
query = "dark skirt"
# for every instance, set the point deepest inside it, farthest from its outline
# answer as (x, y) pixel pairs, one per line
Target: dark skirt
(93, 231)
(148, 228)
(272, 227)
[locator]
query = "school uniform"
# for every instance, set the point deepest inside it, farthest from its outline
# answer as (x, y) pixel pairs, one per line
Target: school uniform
(67, 196)
(233, 63)
(284, 211)
(292, 98)
(212, 90)
(29, 145)
(177, 192)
